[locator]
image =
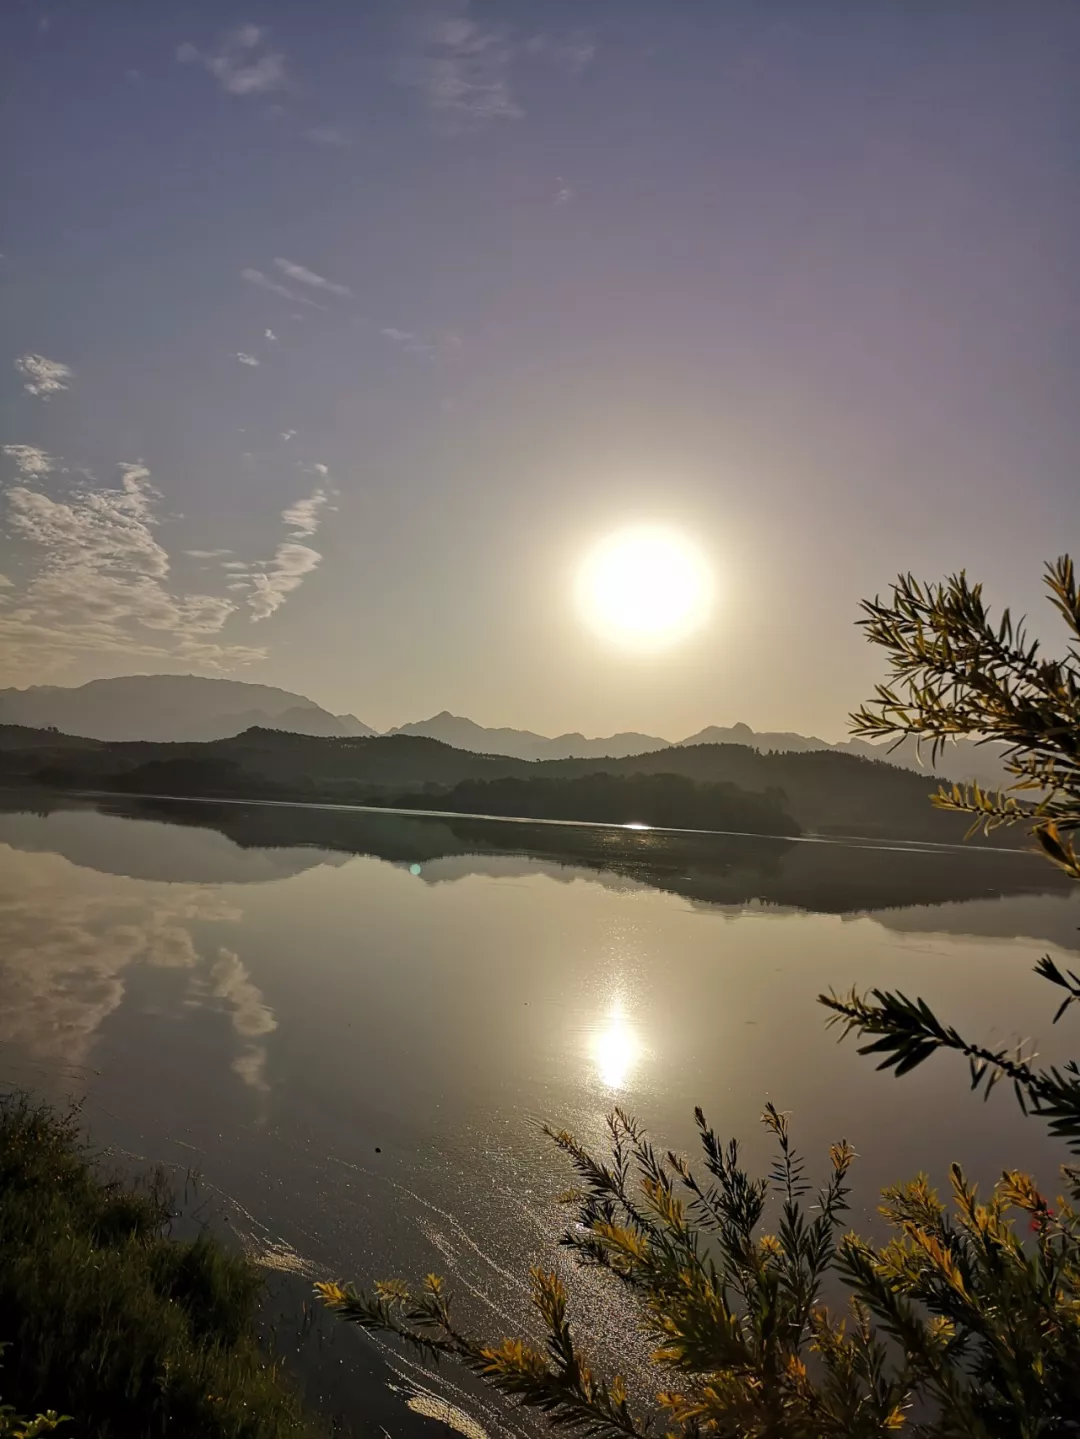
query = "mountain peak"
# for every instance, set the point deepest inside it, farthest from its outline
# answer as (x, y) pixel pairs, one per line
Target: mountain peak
(168, 707)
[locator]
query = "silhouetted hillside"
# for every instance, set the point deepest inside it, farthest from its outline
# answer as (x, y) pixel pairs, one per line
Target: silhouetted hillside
(670, 800)
(825, 792)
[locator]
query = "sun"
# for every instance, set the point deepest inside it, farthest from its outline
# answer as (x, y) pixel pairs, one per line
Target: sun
(645, 588)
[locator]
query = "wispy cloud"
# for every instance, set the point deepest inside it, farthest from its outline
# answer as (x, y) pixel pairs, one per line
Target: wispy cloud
(98, 583)
(270, 583)
(264, 282)
(463, 68)
(462, 71)
(284, 573)
(207, 554)
(287, 435)
(563, 192)
(269, 335)
(32, 462)
(41, 376)
(303, 276)
(303, 517)
(414, 344)
(247, 359)
(241, 64)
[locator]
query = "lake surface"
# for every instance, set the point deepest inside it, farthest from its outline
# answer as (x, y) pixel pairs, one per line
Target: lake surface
(350, 1023)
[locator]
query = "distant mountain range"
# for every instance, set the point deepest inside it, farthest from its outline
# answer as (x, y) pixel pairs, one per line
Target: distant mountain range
(170, 707)
(192, 708)
(525, 744)
(962, 760)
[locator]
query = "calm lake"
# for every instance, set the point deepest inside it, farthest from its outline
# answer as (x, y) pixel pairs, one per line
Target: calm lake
(349, 1023)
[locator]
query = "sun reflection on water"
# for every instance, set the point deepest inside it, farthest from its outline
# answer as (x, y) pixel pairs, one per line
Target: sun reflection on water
(615, 1047)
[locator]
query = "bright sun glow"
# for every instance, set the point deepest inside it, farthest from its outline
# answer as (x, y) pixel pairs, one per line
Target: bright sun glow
(645, 588)
(615, 1048)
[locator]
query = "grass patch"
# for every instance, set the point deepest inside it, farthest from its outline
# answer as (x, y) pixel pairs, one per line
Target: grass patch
(108, 1318)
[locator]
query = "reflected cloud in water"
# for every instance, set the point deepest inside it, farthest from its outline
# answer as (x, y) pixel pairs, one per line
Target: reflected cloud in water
(70, 938)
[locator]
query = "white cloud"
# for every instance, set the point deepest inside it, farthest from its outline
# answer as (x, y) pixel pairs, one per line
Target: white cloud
(287, 434)
(246, 359)
(302, 518)
(207, 554)
(99, 583)
(264, 282)
(240, 65)
(270, 583)
(41, 376)
(462, 71)
(563, 193)
(303, 276)
(283, 574)
(269, 335)
(30, 460)
(320, 469)
(6, 584)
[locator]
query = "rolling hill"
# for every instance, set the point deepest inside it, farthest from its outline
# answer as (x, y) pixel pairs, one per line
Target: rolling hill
(824, 792)
(183, 708)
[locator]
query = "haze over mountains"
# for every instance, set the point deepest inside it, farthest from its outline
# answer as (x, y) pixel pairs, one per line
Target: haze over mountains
(170, 707)
(193, 708)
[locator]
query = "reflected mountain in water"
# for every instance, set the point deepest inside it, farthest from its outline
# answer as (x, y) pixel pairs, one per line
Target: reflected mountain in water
(148, 850)
(241, 842)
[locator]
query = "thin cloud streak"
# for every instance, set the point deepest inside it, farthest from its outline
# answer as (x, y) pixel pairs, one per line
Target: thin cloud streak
(264, 282)
(237, 65)
(303, 276)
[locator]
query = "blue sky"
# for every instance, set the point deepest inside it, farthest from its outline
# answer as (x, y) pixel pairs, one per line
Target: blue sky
(403, 305)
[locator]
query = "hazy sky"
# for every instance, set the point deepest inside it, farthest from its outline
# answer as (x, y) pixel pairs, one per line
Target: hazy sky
(335, 332)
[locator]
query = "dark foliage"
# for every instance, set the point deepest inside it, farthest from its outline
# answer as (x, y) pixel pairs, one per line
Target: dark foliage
(824, 792)
(107, 1318)
(957, 672)
(670, 800)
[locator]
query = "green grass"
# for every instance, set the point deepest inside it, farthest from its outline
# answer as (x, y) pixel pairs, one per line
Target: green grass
(108, 1318)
